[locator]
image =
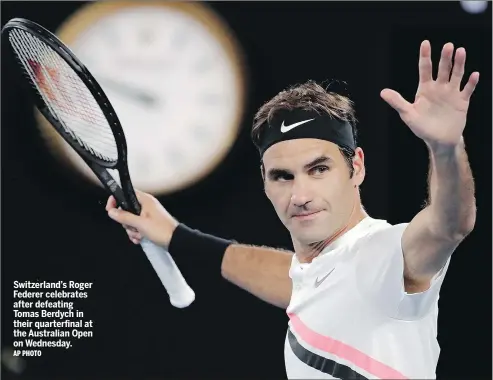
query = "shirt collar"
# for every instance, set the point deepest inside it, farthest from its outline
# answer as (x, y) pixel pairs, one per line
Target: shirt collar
(346, 238)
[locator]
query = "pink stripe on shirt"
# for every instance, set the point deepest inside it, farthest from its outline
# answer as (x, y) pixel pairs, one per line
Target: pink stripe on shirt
(343, 351)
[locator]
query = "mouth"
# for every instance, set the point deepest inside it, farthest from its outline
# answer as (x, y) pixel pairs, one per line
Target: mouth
(306, 216)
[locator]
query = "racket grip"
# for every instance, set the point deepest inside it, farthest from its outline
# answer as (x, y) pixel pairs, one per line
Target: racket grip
(180, 293)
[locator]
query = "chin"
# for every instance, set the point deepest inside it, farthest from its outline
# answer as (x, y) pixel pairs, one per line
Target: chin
(308, 237)
(312, 234)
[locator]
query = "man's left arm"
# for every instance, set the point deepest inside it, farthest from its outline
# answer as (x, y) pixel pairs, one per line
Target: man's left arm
(438, 116)
(435, 232)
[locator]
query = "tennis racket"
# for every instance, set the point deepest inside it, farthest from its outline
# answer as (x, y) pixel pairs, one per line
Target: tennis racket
(71, 99)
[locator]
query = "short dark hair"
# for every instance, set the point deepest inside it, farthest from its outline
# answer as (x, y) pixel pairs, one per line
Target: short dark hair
(309, 96)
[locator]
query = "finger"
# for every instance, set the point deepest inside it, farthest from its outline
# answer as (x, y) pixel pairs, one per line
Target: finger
(124, 217)
(135, 241)
(111, 203)
(129, 228)
(458, 70)
(396, 101)
(470, 86)
(140, 195)
(425, 65)
(142, 198)
(445, 63)
(134, 235)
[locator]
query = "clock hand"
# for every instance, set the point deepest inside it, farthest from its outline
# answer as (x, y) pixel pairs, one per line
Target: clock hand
(129, 91)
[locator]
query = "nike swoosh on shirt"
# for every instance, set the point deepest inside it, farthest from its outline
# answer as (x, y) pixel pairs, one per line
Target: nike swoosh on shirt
(286, 128)
(318, 282)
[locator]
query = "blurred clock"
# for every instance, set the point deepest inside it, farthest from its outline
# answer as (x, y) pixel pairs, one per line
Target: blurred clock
(174, 74)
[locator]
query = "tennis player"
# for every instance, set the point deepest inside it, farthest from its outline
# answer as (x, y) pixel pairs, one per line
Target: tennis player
(361, 294)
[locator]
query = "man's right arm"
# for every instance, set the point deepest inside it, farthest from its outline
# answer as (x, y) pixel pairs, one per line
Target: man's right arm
(261, 271)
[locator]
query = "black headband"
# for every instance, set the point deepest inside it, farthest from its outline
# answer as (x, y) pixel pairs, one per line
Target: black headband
(300, 124)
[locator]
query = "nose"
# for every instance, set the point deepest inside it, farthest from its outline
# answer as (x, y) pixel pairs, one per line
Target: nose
(300, 193)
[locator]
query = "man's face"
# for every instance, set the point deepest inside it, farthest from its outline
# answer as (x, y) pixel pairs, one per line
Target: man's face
(308, 182)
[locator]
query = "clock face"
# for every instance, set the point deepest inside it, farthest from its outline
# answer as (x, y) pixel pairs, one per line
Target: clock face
(174, 81)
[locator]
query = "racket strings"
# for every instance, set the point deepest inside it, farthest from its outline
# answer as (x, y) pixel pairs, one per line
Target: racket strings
(44, 76)
(65, 94)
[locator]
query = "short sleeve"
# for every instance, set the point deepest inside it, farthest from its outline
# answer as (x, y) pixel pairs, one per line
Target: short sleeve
(380, 276)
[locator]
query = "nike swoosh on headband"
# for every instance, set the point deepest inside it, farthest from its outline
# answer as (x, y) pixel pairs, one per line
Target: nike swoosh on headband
(286, 128)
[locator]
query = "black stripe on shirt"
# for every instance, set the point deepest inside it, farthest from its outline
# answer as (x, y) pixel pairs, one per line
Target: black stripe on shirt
(337, 370)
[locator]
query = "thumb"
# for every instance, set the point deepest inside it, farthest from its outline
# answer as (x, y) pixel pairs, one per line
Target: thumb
(124, 217)
(395, 100)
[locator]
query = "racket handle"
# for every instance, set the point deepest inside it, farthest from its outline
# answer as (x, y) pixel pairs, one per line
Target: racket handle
(180, 293)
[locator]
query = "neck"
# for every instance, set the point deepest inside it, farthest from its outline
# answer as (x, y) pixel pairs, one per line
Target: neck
(306, 252)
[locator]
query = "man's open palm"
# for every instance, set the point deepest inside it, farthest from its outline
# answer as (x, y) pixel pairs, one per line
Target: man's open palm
(438, 114)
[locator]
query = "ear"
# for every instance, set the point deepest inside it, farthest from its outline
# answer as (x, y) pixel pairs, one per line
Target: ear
(359, 167)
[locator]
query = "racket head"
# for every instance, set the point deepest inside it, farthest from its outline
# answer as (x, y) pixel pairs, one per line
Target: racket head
(58, 47)
(94, 94)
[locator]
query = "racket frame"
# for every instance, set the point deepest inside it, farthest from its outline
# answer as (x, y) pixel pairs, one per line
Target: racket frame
(124, 194)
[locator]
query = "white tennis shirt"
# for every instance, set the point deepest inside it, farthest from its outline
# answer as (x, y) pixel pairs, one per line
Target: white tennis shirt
(350, 317)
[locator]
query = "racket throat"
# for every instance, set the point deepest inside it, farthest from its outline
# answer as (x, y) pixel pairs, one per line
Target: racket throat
(112, 186)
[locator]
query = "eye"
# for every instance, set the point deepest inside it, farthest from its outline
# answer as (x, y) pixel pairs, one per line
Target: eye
(282, 177)
(320, 169)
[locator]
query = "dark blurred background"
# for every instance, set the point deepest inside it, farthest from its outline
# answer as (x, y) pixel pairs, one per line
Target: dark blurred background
(55, 228)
